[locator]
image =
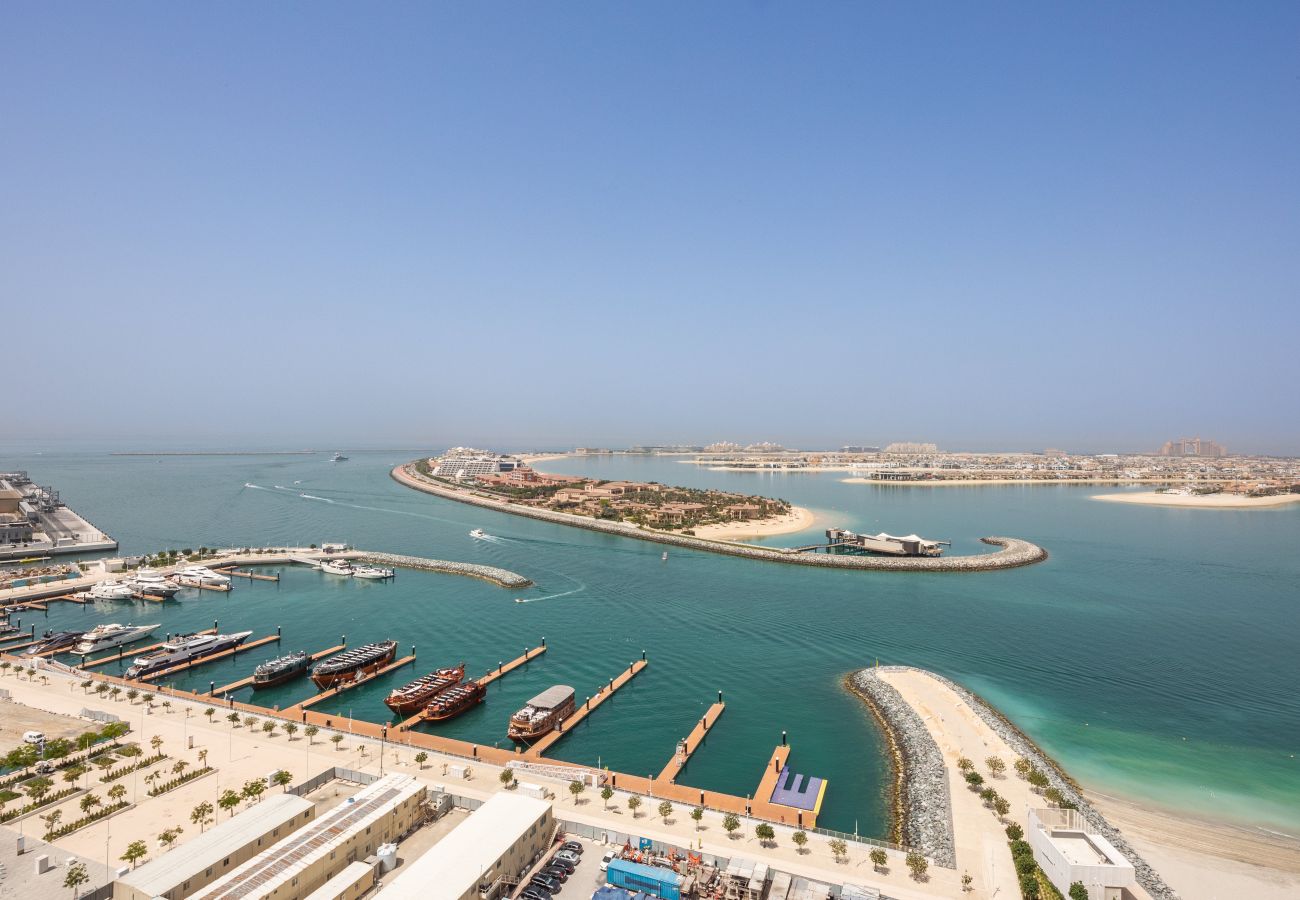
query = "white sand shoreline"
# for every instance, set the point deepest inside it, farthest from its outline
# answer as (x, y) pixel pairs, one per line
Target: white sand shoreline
(798, 519)
(1200, 501)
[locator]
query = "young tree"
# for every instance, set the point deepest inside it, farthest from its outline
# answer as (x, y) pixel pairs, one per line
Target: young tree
(131, 695)
(974, 779)
(249, 722)
(965, 764)
(730, 822)
(130, 751)
(210, 712)
(135, 851)
(765, 833)
(75, 876)
(1001, 806)
(507, 777)
(72, 773)
(878, 859)
(1015, 832)
(606, 793)
(839, 849)
(51, 821)
(1037, 779)
(101, 689)
(156, 743)
(179, 767)
(1029, 888)
(87, 740)
(966, 880)
(38, 787)
(114, 692)
(253, 789)
(269, 728)
(1052, 795)
(229, 800)
(233, 719)
(311, 731)
(419, 757)
(800, 839)
(337, 741)
(665, 810)
(575, 788)
(634, 803)
(282, 779)
(995, 766)
(89, 802)
(1023, 767)
(117, 792)
(168, 837)
(697, 814)
(917, 864)
(201, 815)
(203, 759)
(290, 728)
(1078, 891)
(988, 795)
(85, 685)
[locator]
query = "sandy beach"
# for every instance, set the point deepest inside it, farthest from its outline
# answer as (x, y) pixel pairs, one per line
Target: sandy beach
(994, 482)
(1203, 501)
(1208, 861)
(796, 520)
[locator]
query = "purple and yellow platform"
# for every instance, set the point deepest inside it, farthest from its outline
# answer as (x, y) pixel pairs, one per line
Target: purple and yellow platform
(802, 795)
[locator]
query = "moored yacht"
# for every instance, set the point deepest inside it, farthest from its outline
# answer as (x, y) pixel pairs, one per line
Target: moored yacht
(148, 581)
(543, 714)
(337, 567)
(112, 590)
(102, 637)
(375, 573)
(54, 640)
(281, 669)
(202, 575)
(184, 649)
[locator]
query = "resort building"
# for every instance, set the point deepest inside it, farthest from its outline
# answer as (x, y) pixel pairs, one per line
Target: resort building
(303, 862)
(219, 850)
(466, 462)
(1068, 849)
(484, 857)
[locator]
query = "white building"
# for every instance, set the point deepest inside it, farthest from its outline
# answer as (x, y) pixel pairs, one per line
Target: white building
(502, 838)
(1069, 850)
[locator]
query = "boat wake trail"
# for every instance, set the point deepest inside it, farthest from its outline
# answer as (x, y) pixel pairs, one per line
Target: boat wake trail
(576, 590)
(256, 487)
(314, 497)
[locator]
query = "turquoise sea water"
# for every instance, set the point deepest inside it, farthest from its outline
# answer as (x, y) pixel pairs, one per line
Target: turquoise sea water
(1153, 654)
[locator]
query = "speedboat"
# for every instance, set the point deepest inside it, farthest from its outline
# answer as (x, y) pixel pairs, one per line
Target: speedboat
(372, 572)
(337, 567)
(102, 637)
(112, 590)
(478, 533)
(201, 575)
(338, 457)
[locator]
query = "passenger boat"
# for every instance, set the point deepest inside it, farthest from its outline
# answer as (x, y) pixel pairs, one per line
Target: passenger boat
(416, 695)
(54, 640)
(104, 637)
(454, 701)
(375, 573)
(185, 648)
(281, 669)
(351, 665)
(111, 590)
(336, 567)
(542, 714)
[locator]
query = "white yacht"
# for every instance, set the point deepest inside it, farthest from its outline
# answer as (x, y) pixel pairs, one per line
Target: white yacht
(374, 573)
(112, 590)
(338, 457)
(337, 567)
(184, 649)
(102, 637)
(478, 533)
(203, 575)
(148, 581)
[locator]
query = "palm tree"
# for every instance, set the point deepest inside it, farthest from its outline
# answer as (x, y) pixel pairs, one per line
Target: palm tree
(203, 758)
(179, 766)
(89, 802)
(155, 742)
(51, 821)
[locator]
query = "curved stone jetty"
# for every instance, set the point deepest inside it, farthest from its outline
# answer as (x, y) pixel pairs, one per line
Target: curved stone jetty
(1014, 552)
(923, 790)
(503, 577)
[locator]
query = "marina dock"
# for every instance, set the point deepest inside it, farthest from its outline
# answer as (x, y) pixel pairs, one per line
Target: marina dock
(245, 682)
(547, 741)
(124, 653)
(195, 663)
(335, 691)
(192, 583)
(500, 671)
(252, 575)
(691, 742)
(767, 783)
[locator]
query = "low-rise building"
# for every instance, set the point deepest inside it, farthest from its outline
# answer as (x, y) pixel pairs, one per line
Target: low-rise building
(301, 863)
(482, 856)
(221, 849)
(1068, 849)
(349, 884)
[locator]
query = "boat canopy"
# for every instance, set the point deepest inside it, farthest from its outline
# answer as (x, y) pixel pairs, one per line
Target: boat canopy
(552, 697)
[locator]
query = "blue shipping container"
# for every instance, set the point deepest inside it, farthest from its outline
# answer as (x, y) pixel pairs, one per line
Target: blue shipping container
(655, 881)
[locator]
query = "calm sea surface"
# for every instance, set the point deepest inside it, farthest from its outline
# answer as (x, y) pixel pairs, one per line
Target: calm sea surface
(1154, 654)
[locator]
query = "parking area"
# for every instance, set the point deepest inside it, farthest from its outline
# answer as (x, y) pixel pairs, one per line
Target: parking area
(587, 876)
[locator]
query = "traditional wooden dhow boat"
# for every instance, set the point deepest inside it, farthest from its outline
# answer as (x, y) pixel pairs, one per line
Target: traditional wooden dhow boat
(281, 669)
(542, 714)
(454, 701)
(415, 696)
(351, 665)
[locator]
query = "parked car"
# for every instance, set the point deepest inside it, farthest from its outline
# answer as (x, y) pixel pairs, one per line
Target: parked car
(556, 871)
(567, 864)
(545, 882)
(605, 860)
(535, 893)
(34, 737)
(572, 847)
(569, 857)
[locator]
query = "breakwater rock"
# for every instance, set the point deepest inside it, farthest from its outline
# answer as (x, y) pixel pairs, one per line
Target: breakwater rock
(1014, 552)
(503, 577)
(921, 798)
(1020, 745)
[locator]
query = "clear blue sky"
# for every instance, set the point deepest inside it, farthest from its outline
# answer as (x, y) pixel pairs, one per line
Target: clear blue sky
(987, 225)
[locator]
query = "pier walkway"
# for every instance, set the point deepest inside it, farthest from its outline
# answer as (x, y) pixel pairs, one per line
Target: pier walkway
(250, 575)
(202, 660)
(547, 741)
(335, 691)
(245, 682)
(121, 654)
(692, 741)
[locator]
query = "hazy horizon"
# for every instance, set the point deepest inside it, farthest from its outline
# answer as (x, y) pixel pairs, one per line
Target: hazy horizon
(992, 228)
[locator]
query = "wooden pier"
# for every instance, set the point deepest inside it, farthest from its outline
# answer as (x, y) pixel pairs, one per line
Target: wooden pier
(137, 651)
(252, 575)
(245, 682)
(191, 583)
(767, 783)
(202, 660)
(547, 741)
(500, 671)
(297, 708)
(692, 741)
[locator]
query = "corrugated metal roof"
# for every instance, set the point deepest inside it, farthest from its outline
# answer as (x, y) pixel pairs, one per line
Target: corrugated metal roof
(552, 697)
(173, 869)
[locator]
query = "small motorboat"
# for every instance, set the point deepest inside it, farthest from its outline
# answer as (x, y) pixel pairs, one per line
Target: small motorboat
(478, 533)
(375, 573)
(520, 600)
